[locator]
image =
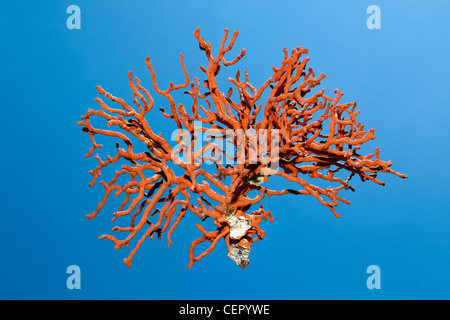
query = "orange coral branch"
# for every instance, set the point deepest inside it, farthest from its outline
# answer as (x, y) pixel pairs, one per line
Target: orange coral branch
(295, 134)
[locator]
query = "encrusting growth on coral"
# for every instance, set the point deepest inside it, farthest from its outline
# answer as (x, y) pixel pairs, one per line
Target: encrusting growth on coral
(315, 136)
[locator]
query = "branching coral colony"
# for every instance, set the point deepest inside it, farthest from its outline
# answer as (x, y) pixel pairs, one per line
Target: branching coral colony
(296, 133)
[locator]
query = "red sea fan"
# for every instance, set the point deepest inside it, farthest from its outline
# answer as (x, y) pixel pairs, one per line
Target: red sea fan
(294, 134)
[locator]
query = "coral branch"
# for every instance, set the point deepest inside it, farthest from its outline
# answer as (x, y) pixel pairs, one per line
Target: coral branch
(295, 134)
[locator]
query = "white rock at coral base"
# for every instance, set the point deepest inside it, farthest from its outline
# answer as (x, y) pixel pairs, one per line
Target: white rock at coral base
(238, 226)
(239, 254)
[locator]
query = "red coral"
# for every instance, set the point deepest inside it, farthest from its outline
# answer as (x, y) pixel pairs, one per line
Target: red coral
(296, 133)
